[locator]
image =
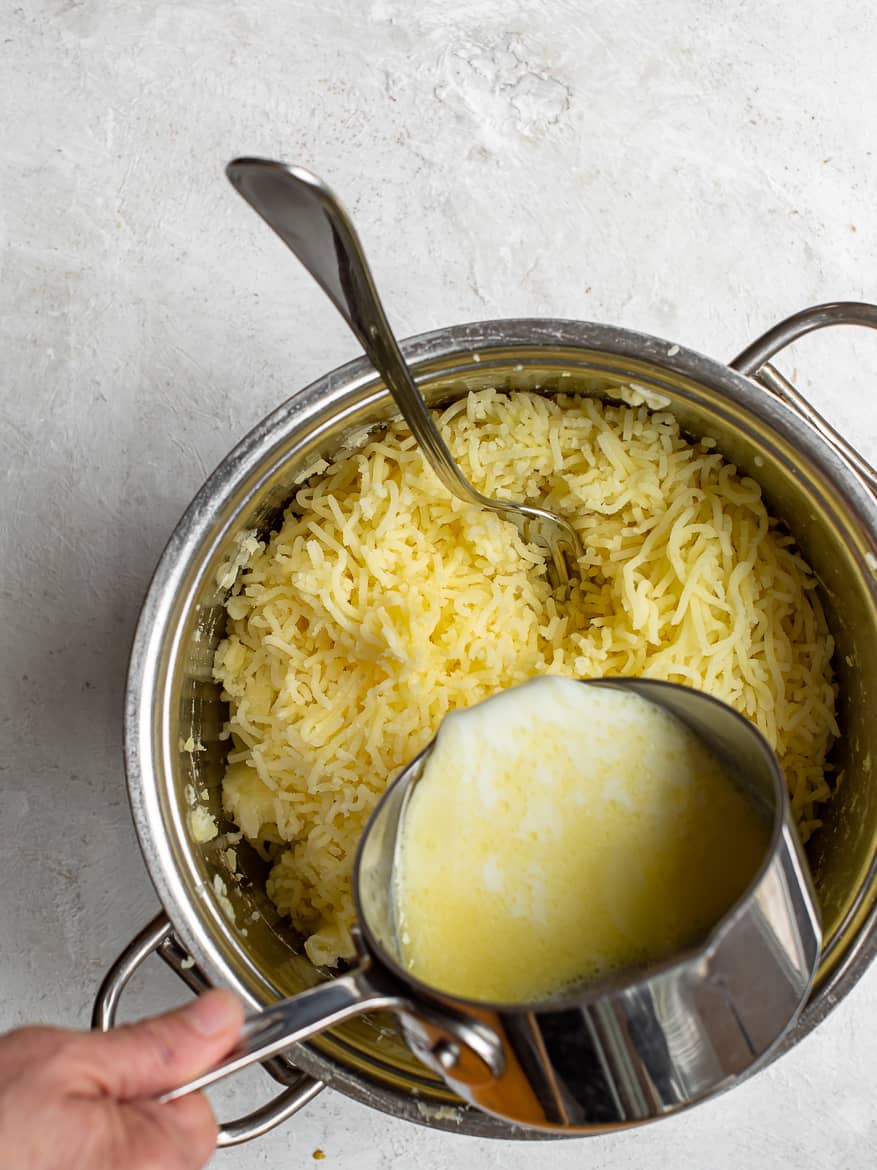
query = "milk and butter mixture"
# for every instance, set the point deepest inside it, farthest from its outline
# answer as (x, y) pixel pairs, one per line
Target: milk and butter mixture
(561, 831)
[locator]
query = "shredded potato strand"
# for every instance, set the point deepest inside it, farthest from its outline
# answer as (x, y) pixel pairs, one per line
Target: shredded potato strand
(382, 603)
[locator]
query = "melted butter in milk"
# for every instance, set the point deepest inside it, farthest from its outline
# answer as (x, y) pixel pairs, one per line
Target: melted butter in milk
(560, 832)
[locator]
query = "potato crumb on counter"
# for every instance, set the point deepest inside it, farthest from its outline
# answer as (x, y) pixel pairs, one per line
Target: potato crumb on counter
(381, 603)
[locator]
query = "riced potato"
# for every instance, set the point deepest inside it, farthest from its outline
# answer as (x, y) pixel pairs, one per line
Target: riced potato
(382, 602)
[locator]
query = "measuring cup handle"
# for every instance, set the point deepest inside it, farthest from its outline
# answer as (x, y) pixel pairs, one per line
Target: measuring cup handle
(754, 361)
(157, 937)
(277, 1028)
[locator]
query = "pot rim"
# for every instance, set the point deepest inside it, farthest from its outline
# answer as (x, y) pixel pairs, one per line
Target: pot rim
(157, 636)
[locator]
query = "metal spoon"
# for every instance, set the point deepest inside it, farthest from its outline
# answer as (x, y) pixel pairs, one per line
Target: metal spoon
(312, 223)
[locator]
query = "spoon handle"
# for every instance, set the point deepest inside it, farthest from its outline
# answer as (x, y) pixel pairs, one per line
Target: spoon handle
(303, 211)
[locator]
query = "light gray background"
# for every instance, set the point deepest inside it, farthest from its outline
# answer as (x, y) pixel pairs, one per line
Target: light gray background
(694, 169)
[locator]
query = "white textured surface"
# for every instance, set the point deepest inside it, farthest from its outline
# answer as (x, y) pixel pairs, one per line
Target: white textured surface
(693, 169)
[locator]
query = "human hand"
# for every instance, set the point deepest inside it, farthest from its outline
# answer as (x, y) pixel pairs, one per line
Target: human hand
(87, 1100)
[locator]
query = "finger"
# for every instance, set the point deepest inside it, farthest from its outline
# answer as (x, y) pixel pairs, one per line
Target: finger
(178, 1136)
(28, 1046)
(192, 1120)
(186, 1126)
(148, 1058)
(190, 1124)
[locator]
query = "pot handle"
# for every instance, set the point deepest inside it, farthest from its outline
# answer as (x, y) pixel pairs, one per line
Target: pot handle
(157, 937)
(754, 361)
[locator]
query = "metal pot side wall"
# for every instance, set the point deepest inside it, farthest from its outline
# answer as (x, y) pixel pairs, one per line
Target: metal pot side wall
(226, 922)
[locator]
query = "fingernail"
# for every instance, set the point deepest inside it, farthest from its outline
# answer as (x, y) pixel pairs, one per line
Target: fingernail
(214, 1012)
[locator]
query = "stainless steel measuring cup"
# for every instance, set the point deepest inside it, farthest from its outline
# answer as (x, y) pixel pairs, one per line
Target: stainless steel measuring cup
(627, 1048)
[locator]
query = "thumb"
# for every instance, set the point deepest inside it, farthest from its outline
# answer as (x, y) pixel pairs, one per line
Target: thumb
(155, 1055)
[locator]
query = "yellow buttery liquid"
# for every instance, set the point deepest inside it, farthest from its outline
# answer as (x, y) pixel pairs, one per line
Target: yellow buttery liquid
(560, 832)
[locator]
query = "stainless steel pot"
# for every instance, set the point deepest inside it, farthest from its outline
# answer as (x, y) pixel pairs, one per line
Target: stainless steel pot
(811, 478)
